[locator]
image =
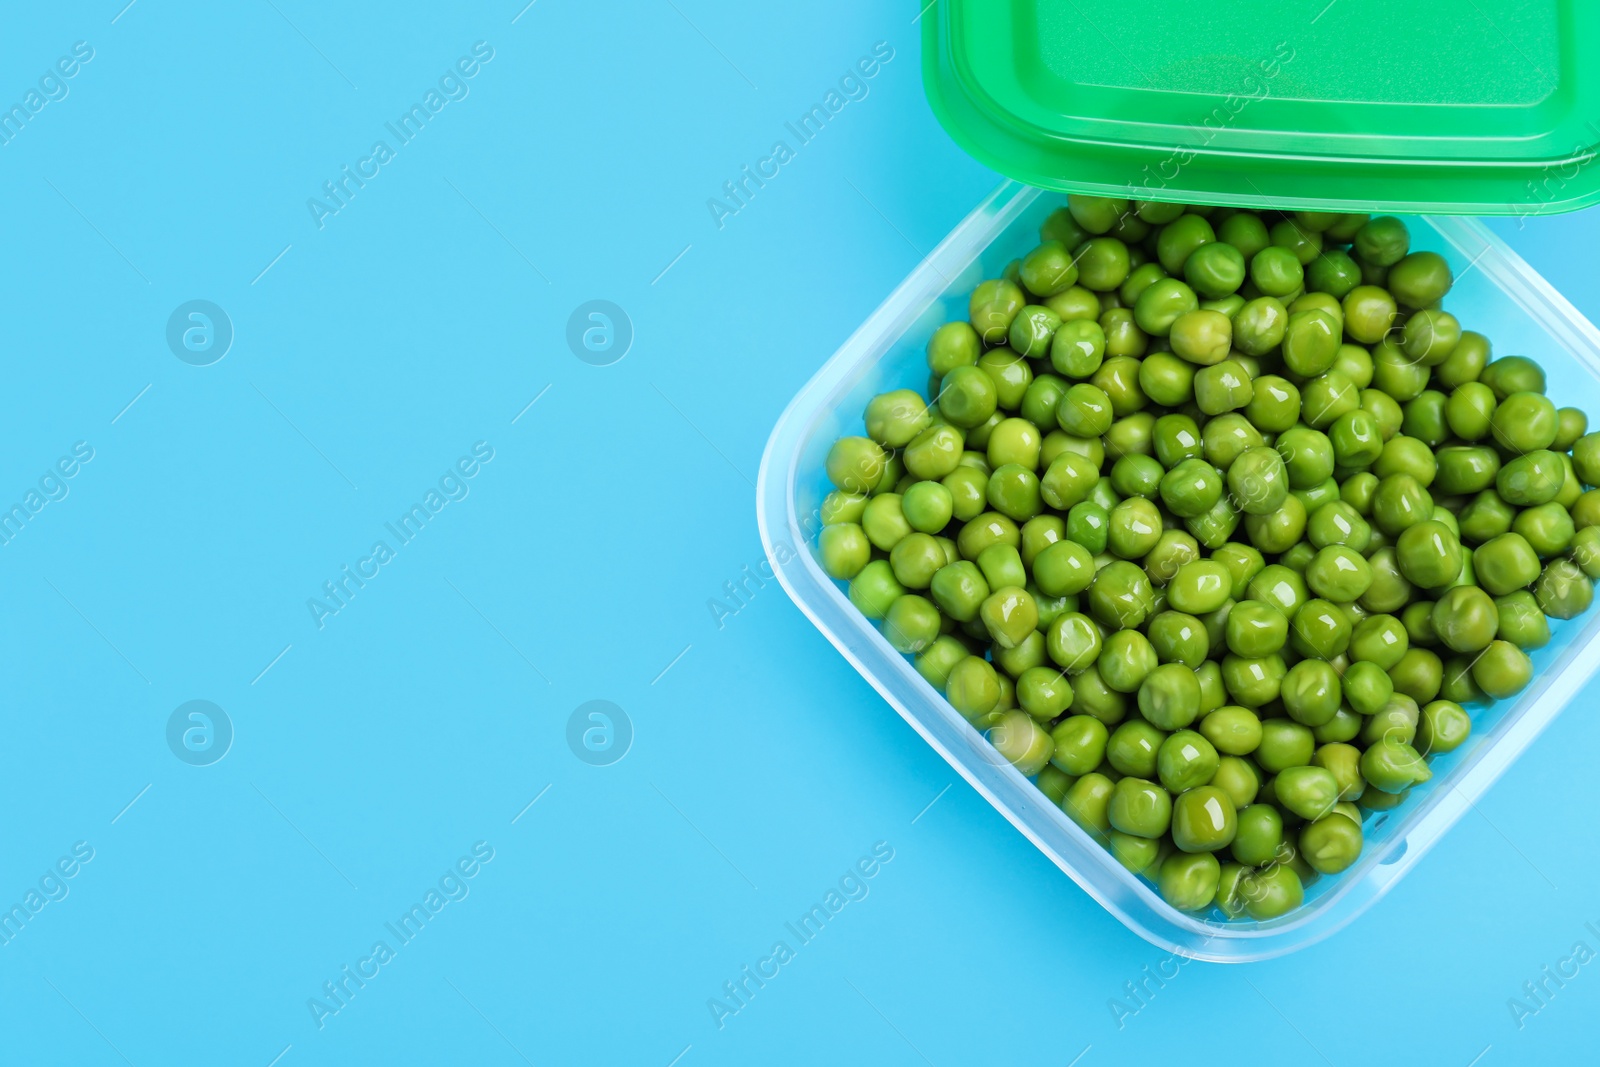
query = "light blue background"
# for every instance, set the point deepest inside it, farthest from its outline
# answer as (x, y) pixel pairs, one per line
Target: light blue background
(429, 712)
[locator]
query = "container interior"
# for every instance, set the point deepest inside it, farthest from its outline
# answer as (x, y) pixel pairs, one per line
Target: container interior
(1494, 293)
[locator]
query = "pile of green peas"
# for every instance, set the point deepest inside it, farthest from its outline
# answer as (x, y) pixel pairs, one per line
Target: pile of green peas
(1213, 520)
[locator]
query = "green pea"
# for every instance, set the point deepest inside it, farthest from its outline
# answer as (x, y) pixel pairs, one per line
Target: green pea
(1200, 587)
(1279, 586)
(875, 588)
(1485, 517)
(1531, 479)
(1308, 791)
(1074, 642)
(1203, 820)
(1022, 742)
(992, 307)
(1188, 881)
(911, 623)
(1201, 336)
(1571, 424)
(1256, 629)
(1428, 553)
(1272, 891)
(1258, 480)
(1049, 269)
(1215, 270)
(1274, 405)
(1244, 231)
(1524, 422)
(1320, 630)
(1311, 342)
(1162, 304)
(1088, 803)
(986, 529)
(1258, 835)
(1134, 748)
(1127, 659)
(1130, 435)
(927, 506)
(1420, 280)
(1079, 744)
(1563, 592)
(893, 419)
(1419, 674)
(1223, 387)
(1367, 686)
(1186, 760)
(915, 559)
(1326, 397)
(1096, 214)
(1278, 531)
(1400, 502)
(959, 589)
(1010, 615)
(1233, 730)
(1284, 744)
(1331, 843)
(1393, 766)
(1253, 682)
(1166, 379)
(1369, 311)
(1521, 621)
(1338, 523)
(973, 688)
(1276, 271)
(1178, 637)
(955, 344)
(1239, 778)
(1465, 619)
(1457, 684)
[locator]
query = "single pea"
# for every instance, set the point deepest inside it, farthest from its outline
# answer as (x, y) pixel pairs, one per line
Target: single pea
(1180, 638)
(1571, 424)
(1002, 565)
(911, 623)
(1238, 777)
(1419, 674)
(1284, 744)
(1200, 587)
(1253, 682)
(1013, 490)
(1311, 342)
(955, 344)
(1465, 618)
(1162, 304)
(1230, 890)
(1137, 280)
(1191, 488)
(1485, 517)
(1130, 435)
(967, 397)
(1521, 621)
(1274, 405)
(1022, 742)
(1222, 388)
(1088, 803)
(874, 589)
(973, 688)
(840, 506)
(1400, 502)
(1513, 374)
(915, 559)
(1331, 843)
(1308, 791)
(1202, 337)
(1136, 475)
(1186, 760)
(1524, 422)
(1326, 397)
(940, 658)
(1585, 545)
(1080, 744)
(1064, 568)
(1134, 747)
(1311, 692)
(1188, 881)
(1180, 239)
(1127, 659)
(1407, 455)
(1420, 280)
(1276, 271)
(1393, 766)
(1010, 615)
(1344, 763)
(1078, 348)
(991, 308)
(927, 506)
(1232, 730)
(1096, 214)
(1531, 479)
(1369, 311)
(1278, 531)
(844, 550)
(1428, 553)
(1169, 694)
(1258, 480)
(1053, 782)
(1123, 335)
(1203, 820)
(893, 419)
(1016, 441)
(1049, 269)
(1506, 563)
(1166, 379)
(1011, 375)
(1243, 563)
(984, 530)
(1443, 727)
(1563, 592)
(1279, 586)
(1244, 231)
(1137, 854)
(959, 589)
(1502, 670)
(1367, 687)
(1175, 438)
(1215, 270)
(1259, 326)
(1320, 630)
(856, 464)
(1258, 834)
(1141, 808)
(1256, 629)
(1084, 411)
(1383, 241)
(1272, 891)
(1338, 523)
(1457, 685)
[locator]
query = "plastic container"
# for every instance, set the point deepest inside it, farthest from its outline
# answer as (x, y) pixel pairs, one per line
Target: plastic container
(1495, 293)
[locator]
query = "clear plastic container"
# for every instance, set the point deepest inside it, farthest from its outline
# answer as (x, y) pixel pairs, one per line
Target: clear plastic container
(1496, 293)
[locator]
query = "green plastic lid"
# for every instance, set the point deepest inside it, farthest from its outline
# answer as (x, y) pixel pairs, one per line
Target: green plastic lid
(1485, 107)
